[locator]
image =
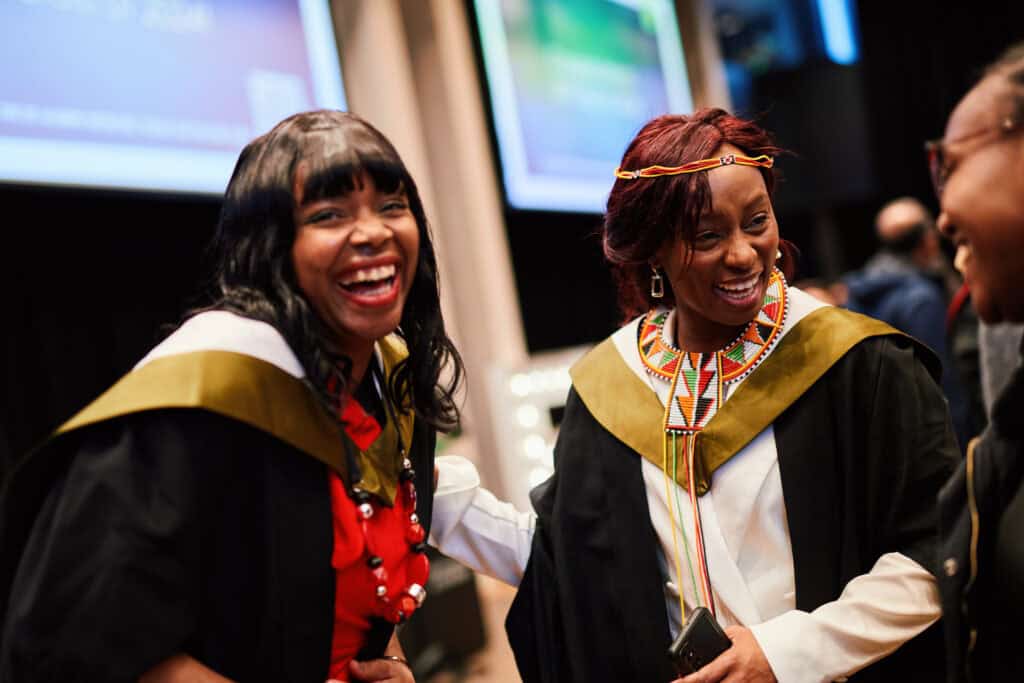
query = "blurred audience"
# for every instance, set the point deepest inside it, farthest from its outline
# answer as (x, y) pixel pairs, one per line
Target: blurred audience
(908, 283)
(820, 290)
(962, 339)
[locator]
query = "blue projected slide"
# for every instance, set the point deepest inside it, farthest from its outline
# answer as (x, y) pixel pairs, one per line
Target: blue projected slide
(154, 94)
(571, 82)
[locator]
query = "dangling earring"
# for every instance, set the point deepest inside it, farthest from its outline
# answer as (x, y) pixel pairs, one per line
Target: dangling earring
(657, 284)
(778, 255)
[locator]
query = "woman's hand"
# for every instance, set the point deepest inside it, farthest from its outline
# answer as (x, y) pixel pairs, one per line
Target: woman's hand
(382, 670)
(744, 662)
(391, 668)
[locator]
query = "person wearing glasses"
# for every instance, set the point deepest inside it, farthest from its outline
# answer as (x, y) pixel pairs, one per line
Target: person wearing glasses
(243, 504)
(978, 169)
(738, 446)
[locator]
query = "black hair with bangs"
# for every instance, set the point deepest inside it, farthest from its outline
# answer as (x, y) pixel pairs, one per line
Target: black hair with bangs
(252, 255)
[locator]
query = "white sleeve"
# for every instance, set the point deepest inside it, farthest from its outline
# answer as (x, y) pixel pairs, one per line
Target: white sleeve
(471, 525)
(876, 613)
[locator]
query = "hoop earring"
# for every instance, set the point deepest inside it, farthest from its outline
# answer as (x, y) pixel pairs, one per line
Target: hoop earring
(657, 284)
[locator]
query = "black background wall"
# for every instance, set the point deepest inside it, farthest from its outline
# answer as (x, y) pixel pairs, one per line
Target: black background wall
(88, 278)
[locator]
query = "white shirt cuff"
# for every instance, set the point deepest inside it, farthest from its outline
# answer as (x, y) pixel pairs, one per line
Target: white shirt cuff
(876, 613)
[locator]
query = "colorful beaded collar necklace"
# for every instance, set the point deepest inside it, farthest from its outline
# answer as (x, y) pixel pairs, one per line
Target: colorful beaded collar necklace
(699, 377)
(697, 389)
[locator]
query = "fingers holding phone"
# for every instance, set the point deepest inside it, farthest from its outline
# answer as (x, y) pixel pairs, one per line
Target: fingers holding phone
(699, 642)
(743, 662)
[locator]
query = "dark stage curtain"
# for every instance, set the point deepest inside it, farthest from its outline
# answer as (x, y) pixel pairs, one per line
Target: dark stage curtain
(89, 279)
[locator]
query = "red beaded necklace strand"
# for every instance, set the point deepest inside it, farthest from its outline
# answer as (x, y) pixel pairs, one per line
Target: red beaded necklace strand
(395, 609)
(398, 608)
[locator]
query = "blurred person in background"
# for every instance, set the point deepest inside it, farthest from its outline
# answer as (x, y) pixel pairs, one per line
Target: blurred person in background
(908, 283)
(738, 445)
(963, 339)
(978, 169)
(821, 290)
(243, 504)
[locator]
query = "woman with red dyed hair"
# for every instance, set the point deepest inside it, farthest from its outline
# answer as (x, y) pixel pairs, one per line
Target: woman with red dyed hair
(737, 446)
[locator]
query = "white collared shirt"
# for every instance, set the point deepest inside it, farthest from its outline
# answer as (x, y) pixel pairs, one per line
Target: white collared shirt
(749, 554)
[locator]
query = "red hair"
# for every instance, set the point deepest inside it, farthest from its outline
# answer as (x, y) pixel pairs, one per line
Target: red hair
(644, 214)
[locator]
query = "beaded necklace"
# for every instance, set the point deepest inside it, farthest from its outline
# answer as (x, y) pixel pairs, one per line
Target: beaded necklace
(399, 607)
(698, 383)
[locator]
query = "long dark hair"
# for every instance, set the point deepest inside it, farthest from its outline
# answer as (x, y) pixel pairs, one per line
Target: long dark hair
(252, 256)
(644, 215)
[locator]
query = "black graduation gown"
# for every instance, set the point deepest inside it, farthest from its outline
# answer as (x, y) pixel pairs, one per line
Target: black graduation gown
(172, 531)
(986, 596)
(862, 454)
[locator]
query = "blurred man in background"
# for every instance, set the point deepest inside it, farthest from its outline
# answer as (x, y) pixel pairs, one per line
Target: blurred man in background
(908, 284)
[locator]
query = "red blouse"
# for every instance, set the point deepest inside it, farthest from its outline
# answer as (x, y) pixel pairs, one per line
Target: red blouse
(355, 598)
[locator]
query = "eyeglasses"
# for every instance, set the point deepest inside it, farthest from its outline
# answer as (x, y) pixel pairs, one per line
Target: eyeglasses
(938, 157)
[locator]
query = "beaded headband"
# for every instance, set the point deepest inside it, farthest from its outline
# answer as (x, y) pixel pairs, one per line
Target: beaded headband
(764, 161)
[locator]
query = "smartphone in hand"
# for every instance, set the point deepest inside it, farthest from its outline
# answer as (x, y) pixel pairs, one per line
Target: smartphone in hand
(700, 640)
